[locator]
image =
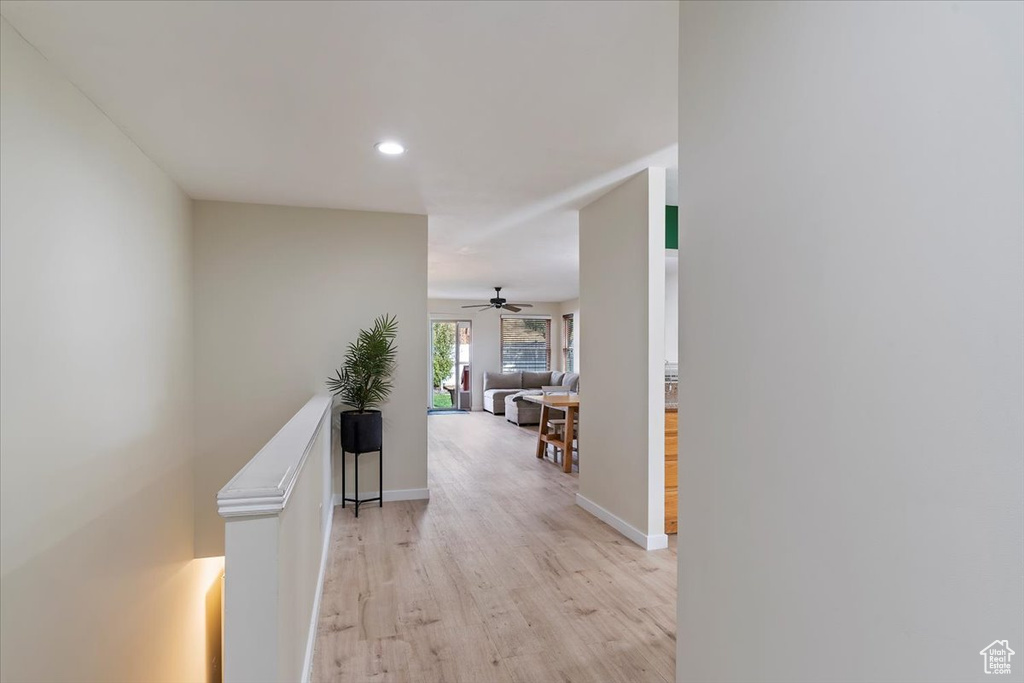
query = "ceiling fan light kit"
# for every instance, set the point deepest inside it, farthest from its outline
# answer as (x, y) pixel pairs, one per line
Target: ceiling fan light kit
(499, 303)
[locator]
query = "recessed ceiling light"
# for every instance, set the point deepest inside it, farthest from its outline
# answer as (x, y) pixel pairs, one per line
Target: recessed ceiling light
(390, 147)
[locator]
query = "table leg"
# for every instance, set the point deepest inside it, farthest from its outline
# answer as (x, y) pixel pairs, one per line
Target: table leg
(570, 416)
(542, 430)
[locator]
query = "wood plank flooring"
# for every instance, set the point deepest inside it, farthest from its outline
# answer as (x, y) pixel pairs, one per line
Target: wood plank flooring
(499, 577)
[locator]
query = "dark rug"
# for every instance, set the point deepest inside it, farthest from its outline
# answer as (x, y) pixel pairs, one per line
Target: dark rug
(446, 411)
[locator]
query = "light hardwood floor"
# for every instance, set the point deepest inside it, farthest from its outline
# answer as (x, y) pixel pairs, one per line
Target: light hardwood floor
(500, 577)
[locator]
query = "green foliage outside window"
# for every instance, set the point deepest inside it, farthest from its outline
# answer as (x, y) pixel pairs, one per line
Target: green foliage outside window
(444, 352)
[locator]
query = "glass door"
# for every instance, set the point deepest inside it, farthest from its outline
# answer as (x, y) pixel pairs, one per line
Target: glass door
(450, 369)
(464, 374)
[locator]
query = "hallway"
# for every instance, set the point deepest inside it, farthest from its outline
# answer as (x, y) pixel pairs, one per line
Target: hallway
(500, 577)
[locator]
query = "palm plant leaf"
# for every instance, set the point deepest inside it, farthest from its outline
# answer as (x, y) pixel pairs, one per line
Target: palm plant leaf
(365, 378)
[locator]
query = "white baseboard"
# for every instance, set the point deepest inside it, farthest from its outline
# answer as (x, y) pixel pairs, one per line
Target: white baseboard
(652, 542)
(391, 496)
(307, 663)
(657, 541)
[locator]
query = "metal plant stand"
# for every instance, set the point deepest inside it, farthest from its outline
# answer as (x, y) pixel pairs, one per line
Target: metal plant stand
(380, 475)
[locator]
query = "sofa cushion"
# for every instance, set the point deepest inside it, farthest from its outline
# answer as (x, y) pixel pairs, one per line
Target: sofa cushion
(556, 377)
(500, 394)
(572, 381)
(535, 380)
(520, 395)
(494, 400)
(503, 380)
(520, 411)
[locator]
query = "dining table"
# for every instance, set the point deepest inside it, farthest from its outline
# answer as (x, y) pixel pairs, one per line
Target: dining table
(570, 405)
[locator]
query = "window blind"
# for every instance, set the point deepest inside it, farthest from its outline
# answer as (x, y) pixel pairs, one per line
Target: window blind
(568, 342)
(525, 344)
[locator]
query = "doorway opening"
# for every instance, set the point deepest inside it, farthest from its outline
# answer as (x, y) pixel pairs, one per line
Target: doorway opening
(450, 382)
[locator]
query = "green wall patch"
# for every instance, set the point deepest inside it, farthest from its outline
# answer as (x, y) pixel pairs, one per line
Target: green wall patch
(671, 227)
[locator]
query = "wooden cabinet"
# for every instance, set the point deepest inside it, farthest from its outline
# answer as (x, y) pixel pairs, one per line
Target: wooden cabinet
(671, 471)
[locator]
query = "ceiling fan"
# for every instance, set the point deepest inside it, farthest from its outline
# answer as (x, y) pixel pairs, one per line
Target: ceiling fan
(498, 302)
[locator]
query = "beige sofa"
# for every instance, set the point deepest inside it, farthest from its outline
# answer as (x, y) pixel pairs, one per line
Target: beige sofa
(504, 392)
(498, 385)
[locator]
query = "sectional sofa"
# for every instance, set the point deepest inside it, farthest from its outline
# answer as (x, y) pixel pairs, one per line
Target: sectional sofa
(504, 392)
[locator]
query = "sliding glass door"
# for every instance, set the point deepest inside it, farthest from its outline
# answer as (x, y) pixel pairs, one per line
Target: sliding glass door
(450, 365)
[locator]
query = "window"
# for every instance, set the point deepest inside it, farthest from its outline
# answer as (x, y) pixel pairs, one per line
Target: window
(525, 344)
(568, 342)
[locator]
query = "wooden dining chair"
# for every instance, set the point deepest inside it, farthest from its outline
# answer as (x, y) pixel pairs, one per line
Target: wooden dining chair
(558, 424)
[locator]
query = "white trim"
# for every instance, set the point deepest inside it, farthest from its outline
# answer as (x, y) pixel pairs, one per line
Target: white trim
(657, 542)
(390, 496)
(450, 317)
(656, 352)
(307, 662)
(652, 542)
(263, 485)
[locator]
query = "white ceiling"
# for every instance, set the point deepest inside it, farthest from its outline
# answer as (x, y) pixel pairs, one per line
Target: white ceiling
(513, 112)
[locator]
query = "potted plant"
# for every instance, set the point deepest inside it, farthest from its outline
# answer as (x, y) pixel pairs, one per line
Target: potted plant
(364, 382)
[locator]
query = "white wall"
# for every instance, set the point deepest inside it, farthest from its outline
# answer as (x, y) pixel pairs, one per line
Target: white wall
(275, 554)
(672, 306)
(622, 300)
(852, 310)
(98, 581)
(302, 525)
(280, 292)
(487, 338)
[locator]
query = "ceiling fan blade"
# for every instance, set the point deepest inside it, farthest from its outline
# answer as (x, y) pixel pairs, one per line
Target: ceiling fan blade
(521, 305)
(512, 307)
(478, 306)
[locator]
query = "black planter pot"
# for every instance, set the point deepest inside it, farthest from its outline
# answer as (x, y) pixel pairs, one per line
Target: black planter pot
(361, 432)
